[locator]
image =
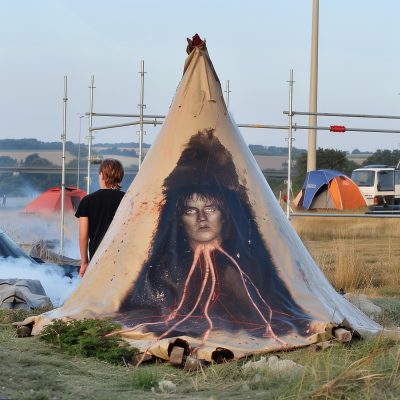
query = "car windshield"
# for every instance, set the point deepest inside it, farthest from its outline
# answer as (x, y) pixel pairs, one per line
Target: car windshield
(397, 177)
(363, 178)
(385, 180)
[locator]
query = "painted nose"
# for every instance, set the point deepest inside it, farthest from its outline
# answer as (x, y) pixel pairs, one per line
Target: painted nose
(202, 216)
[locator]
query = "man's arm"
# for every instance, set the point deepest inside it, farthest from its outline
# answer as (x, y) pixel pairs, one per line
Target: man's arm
(83, 243)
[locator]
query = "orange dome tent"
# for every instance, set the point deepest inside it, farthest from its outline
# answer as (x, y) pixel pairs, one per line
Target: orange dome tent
(326, 188)
(50, 201)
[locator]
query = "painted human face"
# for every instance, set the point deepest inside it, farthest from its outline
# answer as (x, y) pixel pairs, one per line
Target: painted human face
(202, 220)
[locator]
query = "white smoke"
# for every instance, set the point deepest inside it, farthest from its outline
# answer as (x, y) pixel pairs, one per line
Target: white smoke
(56, 285)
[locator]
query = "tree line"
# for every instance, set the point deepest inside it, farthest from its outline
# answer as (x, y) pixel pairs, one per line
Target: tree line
(259, 150)
(23, 184)
(335, 160)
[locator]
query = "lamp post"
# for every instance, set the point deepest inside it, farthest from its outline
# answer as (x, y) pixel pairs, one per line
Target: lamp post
(79, 148)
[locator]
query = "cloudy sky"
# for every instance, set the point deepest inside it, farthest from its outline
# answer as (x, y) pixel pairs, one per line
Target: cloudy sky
(254, 44)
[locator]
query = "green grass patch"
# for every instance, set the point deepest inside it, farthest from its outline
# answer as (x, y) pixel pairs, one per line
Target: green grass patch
(87, 338)
(8, 316)
(390, 312)
(360, 370)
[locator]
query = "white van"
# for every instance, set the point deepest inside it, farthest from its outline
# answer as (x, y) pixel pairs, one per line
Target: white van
(378, 183)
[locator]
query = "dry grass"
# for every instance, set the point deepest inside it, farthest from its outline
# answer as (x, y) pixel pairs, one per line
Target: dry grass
(356, 254)
(360, 370)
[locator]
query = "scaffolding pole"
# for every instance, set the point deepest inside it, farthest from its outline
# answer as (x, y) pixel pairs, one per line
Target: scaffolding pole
(227, 94)
(63, 138)
(125, 115)
(322, 128)
(90, 137)
(99, 128)
(346, 215)
(141, 106)
(344, 115)
(289, 182)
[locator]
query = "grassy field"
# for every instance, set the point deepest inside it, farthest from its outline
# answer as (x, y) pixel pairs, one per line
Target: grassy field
(368, 369)
(358, 158)
(270, 162)
(358, 255)
(53, 156)
(125, 161)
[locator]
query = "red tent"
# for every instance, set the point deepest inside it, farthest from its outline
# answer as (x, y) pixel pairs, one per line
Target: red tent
(50, 201)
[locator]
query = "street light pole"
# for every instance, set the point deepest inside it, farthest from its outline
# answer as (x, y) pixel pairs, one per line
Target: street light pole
(79, 148)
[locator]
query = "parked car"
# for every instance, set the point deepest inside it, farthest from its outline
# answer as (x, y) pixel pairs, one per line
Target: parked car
(379, 184)
(384, 209)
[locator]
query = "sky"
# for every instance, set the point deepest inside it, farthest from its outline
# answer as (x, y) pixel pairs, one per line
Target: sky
(253, 44)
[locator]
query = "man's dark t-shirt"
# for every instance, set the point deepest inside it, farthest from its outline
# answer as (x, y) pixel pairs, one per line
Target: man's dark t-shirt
(100, 207)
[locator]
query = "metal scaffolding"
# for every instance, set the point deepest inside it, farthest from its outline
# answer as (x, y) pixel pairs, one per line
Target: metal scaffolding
(63, 138)
(154, 120)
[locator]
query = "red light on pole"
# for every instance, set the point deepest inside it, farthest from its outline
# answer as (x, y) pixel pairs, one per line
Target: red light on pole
(337, 128)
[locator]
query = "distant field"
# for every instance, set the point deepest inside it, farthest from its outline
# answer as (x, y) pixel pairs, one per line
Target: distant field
(358, 158)
(270, 162)
(361, 155)
(54, 156)
(126, 161)
(145, 150)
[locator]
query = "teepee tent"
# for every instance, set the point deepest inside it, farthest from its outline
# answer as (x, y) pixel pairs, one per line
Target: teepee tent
(327, 188)
(199, 248)
(50, 201)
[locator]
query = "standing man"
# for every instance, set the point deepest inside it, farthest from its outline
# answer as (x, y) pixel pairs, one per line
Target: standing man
(96, 210)
(4, 200)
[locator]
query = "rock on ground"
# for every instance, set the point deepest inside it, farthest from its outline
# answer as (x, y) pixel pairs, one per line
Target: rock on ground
(167, 386)
(366, 306)
(274, 365)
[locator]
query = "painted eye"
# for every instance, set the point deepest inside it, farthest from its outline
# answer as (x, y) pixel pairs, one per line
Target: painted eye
(191, 211)
(210, 209)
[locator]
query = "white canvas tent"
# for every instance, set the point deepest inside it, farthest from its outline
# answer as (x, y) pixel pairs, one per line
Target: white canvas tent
(200, 249)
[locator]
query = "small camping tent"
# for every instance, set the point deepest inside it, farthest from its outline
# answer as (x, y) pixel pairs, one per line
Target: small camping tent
(326, 188)
(50, 201)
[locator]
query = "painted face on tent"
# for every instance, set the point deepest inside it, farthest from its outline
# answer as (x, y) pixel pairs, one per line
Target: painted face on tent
(202, 220)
